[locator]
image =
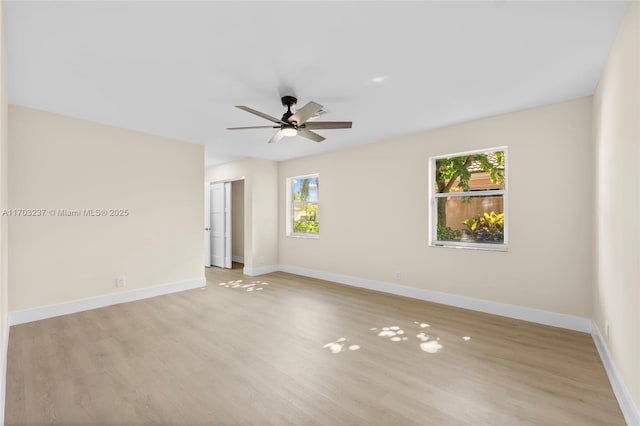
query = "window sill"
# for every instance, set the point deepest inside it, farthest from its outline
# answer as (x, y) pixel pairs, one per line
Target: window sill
(305, 236)
(470, 246)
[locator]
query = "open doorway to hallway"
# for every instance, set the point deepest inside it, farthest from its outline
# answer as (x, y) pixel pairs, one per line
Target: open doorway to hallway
(237, 224)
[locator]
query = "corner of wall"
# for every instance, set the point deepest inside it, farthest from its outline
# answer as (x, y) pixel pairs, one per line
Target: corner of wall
(625, 400)
(4, 173)
(616, 246)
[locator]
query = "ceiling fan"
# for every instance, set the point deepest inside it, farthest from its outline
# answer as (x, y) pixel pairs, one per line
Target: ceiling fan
(292, 124)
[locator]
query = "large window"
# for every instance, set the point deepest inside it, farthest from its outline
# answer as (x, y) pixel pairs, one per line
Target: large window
(469, 199)
(303, 206)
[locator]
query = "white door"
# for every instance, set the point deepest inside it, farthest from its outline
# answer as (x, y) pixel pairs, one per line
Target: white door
(220, 224)
(207, 225)
(227, 225)
(217, 224)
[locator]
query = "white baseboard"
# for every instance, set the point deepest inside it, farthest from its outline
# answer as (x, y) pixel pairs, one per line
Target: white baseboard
(252, 272)
(3, 385)
(50, 311)
(237, 259)
(629, 409)
(570, 322)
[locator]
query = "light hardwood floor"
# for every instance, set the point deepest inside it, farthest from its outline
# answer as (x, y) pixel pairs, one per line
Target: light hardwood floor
(255, 353)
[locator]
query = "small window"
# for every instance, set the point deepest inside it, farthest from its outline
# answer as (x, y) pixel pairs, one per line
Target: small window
(469, 200)
(303, 201)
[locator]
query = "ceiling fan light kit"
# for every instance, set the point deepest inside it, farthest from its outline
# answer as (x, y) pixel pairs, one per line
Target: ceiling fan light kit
(292, 124)
(289, 131)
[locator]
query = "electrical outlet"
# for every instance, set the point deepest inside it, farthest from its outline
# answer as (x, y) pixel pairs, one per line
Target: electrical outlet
(397, 276)
(121, 282)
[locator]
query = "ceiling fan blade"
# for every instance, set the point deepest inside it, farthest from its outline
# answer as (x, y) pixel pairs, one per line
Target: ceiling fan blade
(275, 138)
(253, 127)
(310, 135)
(305, 113)
(328, 125)
(260, 114)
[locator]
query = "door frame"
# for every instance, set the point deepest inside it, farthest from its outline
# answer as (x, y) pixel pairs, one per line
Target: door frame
(207, 211)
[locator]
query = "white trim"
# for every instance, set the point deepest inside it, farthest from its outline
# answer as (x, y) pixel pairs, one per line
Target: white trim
(235, 179)
(307, 235)
(472, 246)
(3, 385)
(486, 193)
(570, 322)
(50, 311)
(473, 151)
(237, 259)
(252, 272)
(629, 409)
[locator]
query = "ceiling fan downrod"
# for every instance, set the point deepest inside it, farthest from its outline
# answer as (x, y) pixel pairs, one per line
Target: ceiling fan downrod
(288, 101)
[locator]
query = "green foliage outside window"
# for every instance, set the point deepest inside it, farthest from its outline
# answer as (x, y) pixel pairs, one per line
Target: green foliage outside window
(447, 234)
(305, 208)
(487, 227)
(452, 174)
(306, 226)
(308, 222)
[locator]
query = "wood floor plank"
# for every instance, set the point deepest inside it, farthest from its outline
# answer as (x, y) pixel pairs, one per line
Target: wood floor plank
(282, 349)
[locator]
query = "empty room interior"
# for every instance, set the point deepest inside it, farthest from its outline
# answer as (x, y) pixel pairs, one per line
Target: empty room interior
(320, 213)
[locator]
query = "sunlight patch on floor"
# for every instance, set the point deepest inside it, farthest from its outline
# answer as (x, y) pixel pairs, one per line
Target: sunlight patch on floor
(423, 337)
(432, 346)
(339, 346)
(255, 285)
(429, 344)
(394, 333)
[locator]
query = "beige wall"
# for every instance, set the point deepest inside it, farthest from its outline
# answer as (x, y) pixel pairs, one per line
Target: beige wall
(4, 185)
(59, 162)
(374, 204)
(616, 112)
(260, 207)
(237, 218)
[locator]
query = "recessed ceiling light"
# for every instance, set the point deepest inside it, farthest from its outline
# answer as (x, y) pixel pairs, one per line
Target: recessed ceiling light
(379, 79)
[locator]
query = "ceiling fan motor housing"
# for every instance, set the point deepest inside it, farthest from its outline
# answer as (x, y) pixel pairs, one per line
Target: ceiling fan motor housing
(288, 101)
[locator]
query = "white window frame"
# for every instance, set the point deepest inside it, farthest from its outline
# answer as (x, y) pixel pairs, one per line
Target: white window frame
(433, 196)
(289, 207)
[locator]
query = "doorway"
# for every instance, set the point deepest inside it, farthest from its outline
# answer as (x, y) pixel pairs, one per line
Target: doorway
(237, 221)
(224, 223)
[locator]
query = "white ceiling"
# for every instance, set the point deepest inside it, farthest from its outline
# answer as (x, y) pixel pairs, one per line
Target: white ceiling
(176, 69)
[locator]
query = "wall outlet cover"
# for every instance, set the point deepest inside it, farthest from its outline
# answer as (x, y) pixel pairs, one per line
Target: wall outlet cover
(121, 282)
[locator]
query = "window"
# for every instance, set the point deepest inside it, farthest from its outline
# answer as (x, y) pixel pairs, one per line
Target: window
(303, 206)
(469, 199)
